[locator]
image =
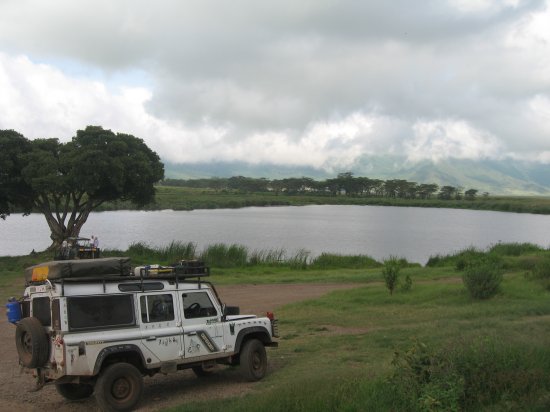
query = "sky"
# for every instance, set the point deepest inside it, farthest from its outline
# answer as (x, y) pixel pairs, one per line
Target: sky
(316, 83)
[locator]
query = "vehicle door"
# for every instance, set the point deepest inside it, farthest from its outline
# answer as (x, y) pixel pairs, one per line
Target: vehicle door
(161, 329)
(202, 328)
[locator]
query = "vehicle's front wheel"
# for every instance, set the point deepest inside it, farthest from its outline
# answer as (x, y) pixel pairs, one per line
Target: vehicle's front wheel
(119, 387)
(253, 360)
(74, 391)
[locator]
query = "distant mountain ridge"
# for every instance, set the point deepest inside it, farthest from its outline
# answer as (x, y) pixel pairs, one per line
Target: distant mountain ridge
(498, 177)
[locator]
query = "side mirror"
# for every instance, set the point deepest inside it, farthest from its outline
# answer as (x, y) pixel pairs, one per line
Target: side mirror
(231, 310)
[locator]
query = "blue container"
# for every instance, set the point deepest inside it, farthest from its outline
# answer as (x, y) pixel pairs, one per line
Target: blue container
(13, 311)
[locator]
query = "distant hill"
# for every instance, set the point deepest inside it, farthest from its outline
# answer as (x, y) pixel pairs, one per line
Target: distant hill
(506, 177)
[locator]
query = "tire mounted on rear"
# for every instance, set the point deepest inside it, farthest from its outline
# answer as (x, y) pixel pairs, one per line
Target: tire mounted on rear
(32, 343)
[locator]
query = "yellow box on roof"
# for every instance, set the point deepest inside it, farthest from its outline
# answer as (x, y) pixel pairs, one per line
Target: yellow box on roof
(40, 273)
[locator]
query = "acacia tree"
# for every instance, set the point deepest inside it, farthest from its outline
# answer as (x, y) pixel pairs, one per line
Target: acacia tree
(67, 181)
(14, 193)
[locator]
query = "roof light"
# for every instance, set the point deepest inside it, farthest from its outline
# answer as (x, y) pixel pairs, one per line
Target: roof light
(40, 273)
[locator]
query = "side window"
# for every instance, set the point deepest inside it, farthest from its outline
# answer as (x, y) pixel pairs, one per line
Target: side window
(198, 305)
(93, 312)
(157, 308)
(41, 310)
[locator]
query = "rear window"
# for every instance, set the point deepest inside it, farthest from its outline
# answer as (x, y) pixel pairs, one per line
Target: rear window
(41, 310)
(104, 311)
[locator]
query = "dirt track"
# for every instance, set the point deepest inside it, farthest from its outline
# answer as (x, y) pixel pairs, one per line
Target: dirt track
(160, 391)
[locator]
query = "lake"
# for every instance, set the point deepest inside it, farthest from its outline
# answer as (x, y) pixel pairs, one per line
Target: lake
(412, 233)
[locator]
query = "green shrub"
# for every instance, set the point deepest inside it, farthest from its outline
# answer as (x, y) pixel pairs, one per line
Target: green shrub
(336, 261)
(467, 257)
(407, 284)
(427, 379)
(390, 272)
(435, 261)
(459, 260)
(471, 375)
(483, 277)
(541, 270)
(514, 249)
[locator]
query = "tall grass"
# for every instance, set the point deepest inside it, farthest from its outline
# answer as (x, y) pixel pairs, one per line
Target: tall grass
(472, 374)
(221, 255)
(299, 260)
(225, 256)
(173, 252)
(462, 258)
(270, 257)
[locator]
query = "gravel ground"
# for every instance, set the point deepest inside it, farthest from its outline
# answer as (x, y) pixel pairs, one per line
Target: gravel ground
(160, 391)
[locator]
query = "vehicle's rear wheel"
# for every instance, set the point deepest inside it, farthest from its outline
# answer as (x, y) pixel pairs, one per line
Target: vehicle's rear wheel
(32, 343)
(119, 387)
(253, 360)
(74, 391)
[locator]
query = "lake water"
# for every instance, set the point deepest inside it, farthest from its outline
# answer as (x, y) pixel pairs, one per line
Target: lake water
(413, 233)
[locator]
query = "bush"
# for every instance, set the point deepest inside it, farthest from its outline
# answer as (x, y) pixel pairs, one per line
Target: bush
(514, 249)
(459, 260)
(483, 277)
(427, 379)
(407, 284)
(467, 257)
(542, 269)
(390, 272)
(471, 375)
(335, 261)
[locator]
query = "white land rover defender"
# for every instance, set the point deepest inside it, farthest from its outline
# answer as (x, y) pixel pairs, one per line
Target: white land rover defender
(96, 326)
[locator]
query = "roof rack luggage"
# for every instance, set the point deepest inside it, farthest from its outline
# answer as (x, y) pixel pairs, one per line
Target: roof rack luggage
(76, 269)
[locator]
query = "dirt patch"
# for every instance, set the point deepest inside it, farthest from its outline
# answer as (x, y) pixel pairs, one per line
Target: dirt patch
(160, 391)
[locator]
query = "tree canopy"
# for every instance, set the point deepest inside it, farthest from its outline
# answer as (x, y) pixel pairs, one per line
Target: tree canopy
(344, 184)
(66, 181)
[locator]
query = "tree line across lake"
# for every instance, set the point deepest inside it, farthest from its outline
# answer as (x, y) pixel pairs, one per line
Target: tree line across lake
(343, 184)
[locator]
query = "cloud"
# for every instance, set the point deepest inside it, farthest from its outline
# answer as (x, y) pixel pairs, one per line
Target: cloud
(39, 100)
(316, 83)
(437, 139)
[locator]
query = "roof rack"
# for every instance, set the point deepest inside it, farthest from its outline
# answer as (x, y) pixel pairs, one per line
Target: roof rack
(182, 269)
(179, 271)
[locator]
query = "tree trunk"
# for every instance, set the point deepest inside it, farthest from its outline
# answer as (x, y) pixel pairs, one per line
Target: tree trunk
(61, 232)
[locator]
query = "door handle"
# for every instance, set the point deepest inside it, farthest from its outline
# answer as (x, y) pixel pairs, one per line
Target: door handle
(151, 338)
(191, 333)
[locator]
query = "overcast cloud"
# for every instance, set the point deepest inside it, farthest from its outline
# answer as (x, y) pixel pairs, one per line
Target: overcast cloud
(312, 83)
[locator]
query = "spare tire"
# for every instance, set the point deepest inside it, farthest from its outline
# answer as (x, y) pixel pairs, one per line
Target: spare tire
(32, 343)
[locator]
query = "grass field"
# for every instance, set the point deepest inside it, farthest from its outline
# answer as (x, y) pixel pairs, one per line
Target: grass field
(180, 198)
(338, 352)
